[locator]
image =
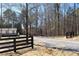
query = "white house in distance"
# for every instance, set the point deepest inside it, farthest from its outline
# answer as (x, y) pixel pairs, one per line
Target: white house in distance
(8, 30)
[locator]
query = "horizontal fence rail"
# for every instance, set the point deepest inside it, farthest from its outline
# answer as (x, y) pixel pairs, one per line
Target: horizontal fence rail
(12, 43)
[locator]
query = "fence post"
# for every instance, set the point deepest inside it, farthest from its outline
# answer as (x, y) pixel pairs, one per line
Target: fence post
(14, 45)
(32, 42)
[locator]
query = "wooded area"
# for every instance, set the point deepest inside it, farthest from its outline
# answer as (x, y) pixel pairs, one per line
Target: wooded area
(54, 19)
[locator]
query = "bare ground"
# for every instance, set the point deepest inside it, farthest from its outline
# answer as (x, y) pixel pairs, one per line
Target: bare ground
(43, 51)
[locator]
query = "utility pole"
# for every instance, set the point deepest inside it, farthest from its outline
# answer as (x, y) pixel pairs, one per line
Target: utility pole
(27, 23)
(57, 17)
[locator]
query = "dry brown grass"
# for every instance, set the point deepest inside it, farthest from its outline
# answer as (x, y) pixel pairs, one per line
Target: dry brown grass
(42, 51)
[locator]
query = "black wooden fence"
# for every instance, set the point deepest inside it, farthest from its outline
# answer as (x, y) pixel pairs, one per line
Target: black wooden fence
(15, 43)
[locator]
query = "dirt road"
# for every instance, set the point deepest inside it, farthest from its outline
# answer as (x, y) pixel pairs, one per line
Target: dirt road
(57, 43)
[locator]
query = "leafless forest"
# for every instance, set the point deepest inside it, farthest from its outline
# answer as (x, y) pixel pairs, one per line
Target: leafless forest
(52, 19)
